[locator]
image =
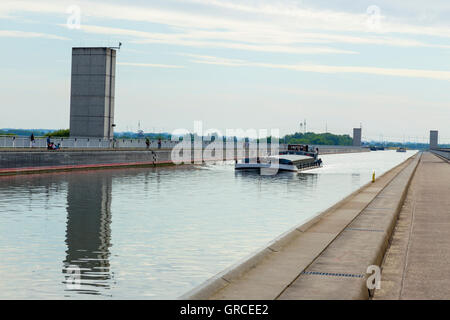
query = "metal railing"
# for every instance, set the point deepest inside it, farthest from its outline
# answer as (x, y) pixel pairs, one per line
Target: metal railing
(41, 142)
(21, 142)
(445, 153)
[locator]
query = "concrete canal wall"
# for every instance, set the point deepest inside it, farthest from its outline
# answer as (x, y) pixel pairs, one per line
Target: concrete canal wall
(325, 258)
(32, 160)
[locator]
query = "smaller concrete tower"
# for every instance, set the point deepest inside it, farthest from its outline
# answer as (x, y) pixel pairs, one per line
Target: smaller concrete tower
(357, 134)
(434, 134)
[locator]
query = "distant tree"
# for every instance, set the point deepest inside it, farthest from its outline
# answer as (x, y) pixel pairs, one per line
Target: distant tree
(62, 133)
(318, 139)
(3, 133)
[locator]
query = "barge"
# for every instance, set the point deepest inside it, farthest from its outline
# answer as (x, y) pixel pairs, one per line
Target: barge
(293, 160)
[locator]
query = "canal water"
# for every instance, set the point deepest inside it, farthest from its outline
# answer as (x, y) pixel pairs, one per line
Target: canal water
(156, 233)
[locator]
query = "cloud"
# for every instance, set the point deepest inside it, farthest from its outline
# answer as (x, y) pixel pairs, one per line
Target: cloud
(194, 39)
(399, 72)
(149, 65)
(263, 26)
(25, 34)
(322, 19)
(216, 60)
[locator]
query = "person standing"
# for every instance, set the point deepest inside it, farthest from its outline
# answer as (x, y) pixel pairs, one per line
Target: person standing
(32, 140)
(147, 142)
(159, 143)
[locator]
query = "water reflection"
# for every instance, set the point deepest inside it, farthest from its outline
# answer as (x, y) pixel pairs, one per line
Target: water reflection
(88, 234)
(290, 179)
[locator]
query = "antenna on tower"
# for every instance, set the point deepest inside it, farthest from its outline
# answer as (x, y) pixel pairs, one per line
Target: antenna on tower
(118, 48)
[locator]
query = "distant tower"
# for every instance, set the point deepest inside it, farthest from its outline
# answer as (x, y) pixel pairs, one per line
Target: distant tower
(434, 134)
(357, 137)
(92, 92)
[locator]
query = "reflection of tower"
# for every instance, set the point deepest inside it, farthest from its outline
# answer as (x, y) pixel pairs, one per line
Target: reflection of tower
(88, 233)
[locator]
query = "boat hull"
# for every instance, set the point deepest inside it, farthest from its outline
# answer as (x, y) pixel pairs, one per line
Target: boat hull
(268, 169)
(265, 167)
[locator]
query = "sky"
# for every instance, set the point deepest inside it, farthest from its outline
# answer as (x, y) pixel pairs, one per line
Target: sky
(249, 64)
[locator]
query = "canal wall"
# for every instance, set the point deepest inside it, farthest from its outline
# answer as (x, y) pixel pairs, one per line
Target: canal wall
(33, 160)
(326, 257)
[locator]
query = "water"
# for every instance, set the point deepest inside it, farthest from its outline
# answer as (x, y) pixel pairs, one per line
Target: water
(155, 233)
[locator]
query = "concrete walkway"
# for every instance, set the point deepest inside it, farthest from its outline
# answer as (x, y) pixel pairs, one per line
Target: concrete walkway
(417, 264)
(326, 258)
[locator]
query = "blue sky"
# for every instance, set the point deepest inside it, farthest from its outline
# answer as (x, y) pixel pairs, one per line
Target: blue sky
(237, 64)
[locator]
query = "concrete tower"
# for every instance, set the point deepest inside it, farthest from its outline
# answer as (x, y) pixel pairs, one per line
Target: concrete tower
(434, 139)
(357, 137)
(92, 92)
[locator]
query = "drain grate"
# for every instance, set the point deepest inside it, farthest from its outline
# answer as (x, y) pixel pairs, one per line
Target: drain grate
(375, 209)
(333, 274)
(360, 229)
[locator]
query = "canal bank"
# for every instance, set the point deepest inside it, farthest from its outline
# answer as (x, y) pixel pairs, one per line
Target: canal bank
(325, 258)
(29, 160)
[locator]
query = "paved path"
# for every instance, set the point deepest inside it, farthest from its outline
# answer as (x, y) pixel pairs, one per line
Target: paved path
(417, 264)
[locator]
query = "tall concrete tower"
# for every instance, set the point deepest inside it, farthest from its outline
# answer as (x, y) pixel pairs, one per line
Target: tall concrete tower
(92, 92)
(357, 134)
(434, 134)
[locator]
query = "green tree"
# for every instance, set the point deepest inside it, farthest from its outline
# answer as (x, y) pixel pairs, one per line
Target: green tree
(63, 133)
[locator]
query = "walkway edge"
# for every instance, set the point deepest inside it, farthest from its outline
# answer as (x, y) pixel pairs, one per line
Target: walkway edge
(390, 230)
(223, 278)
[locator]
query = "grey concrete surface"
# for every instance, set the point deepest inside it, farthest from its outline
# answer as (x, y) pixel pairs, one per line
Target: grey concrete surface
(434, 139)
(340, 271)
(67, 158)
(92, 92)
(417, 264)
(277, 269)
(357, 134)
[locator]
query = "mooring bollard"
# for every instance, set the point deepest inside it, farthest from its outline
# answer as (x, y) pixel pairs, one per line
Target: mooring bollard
(373, 177)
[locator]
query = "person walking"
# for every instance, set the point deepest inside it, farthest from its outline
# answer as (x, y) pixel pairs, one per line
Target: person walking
(147, 142)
